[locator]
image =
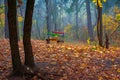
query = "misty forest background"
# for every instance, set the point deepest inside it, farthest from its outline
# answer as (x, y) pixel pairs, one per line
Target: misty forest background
(77, 19)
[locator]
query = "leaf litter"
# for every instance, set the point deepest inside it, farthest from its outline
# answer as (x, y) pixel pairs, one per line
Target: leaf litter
(66, 61)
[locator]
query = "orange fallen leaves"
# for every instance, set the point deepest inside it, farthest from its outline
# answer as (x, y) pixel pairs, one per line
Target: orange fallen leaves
(68, 61)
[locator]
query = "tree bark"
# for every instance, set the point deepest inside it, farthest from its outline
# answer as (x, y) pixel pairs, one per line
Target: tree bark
(101, 29)
(55, 16)
(99, 25)
(12, 22)
(29, 59)
(76, 29)
(48, 18)
(89, 22)
(106, 41)
(37, 23)
(6, 20)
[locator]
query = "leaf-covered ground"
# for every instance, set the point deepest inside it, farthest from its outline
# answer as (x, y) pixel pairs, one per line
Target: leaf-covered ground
(66, 61)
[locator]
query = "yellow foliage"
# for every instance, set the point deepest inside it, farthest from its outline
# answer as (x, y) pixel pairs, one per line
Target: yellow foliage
(2, 19)
(118, 17)
(20, 19)
(116, 10)
(99, 2)
(109, 23)
(2, 16)
(88, 40)
(67, 28)
(117, 13)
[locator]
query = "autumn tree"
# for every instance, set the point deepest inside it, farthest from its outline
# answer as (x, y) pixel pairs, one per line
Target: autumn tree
(99, 21)
(12, 22)
(29, 59)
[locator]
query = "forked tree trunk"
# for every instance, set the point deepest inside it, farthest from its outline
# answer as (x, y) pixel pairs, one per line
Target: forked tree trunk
(12, 22)
(29, 58)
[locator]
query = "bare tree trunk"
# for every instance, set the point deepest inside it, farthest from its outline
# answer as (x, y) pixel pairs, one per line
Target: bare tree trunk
(76, 29)
(29, 59)
(6, 20)
(89, 22)
(48, 18)
(101, 29)
(55, 15)
(37, 23)
(106, 41)
(12, 21)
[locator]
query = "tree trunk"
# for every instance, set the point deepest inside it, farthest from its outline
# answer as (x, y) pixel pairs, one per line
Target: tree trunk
(6, 20)
(37, 23)
(18, 29)
(99, 26)
(12, 21)
(48, 18)
(106, 41)
(55, 16)
(101, 29)
(29, 59)
(89, 22)
(76, 29)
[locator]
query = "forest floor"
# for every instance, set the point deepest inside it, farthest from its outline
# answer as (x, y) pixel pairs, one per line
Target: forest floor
(66, 61)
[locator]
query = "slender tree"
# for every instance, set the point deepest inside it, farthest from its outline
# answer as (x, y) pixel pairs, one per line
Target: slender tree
(48, 18)
(89, 22)
(12, 22)
(55, 14)
(29, 59)
(99, 25)
(76, 29)
(6, 20)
